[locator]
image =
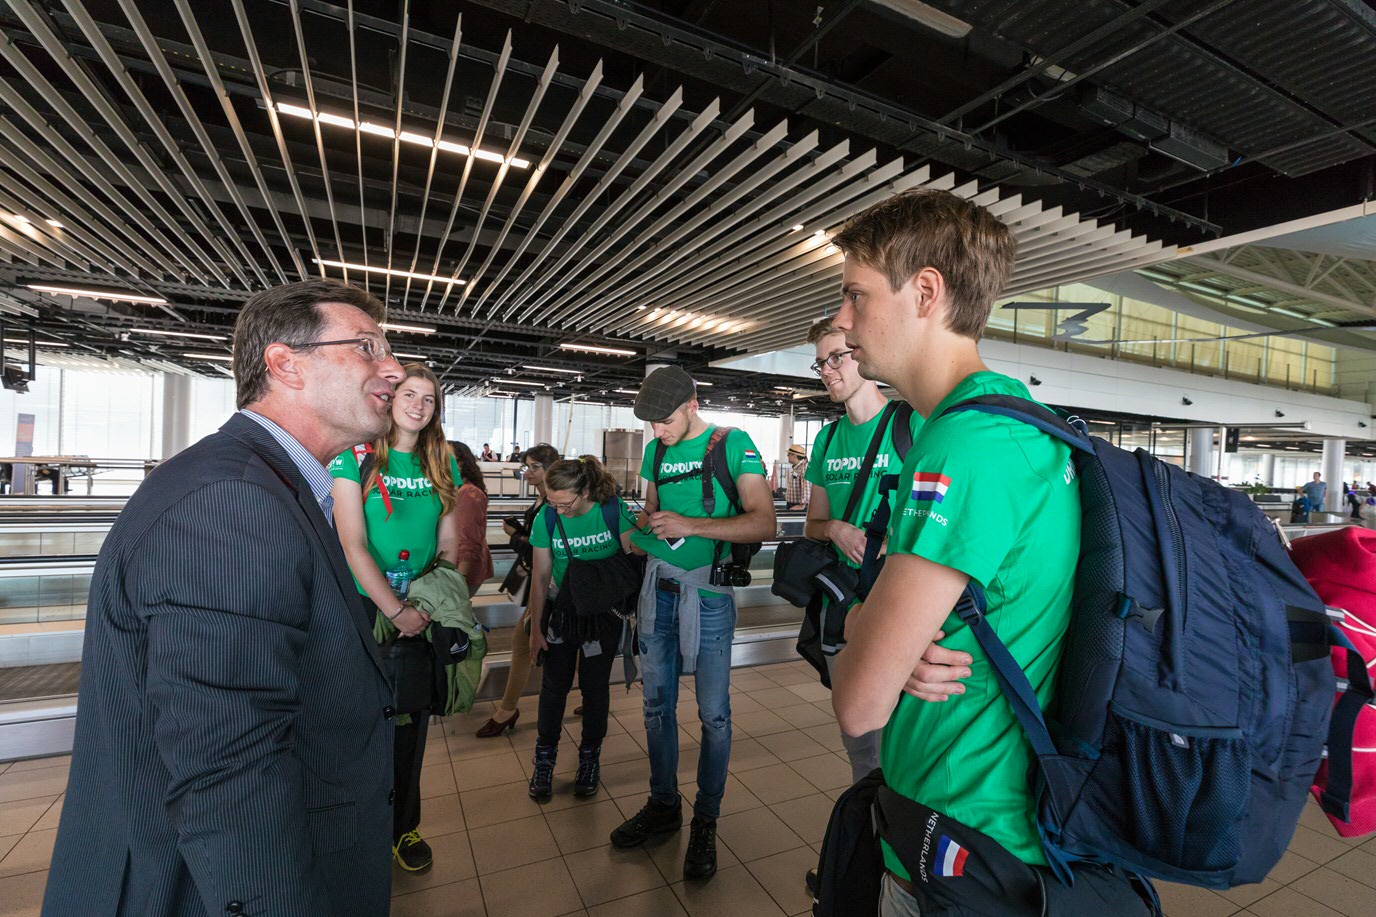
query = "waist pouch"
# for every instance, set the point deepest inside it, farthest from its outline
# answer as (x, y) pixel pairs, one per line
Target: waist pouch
(957, 870)
(409, 663)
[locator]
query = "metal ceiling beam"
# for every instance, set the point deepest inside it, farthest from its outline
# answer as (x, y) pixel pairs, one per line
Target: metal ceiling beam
(1233, 270)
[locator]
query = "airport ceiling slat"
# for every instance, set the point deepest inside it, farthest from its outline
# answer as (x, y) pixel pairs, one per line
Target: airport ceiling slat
(469, 166)
(231, 114)
(606, 182)
(111, 116)
(542, 169)
(663, 263)
(193, 122)
(590, 155)
(177, 168)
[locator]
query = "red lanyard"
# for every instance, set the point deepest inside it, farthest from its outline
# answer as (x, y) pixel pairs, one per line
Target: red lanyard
(359, 453)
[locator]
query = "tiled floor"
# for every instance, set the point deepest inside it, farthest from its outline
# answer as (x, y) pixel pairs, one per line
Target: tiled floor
(498, 853)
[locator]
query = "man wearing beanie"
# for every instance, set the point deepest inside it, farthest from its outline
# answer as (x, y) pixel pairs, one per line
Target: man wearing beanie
(687, 613)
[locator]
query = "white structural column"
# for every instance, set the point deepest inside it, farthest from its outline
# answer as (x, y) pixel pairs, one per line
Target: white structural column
(176, 413)
(649, 368)
(785, 440)
(1334, 452)
(1200, 459)
(543, 430)
(1268, 468)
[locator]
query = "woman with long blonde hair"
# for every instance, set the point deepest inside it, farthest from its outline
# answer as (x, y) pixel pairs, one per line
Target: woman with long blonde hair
(395, 496)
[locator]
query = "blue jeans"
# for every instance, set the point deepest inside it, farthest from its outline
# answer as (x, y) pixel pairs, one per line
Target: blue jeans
(660, 666)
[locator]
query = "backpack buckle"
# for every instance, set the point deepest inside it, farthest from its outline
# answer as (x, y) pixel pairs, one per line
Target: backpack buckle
(968, 610)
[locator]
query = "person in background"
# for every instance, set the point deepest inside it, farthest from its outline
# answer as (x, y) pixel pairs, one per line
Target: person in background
(488, 455)
(398, 494)
(470, 512)
(1354, 500)
(797, 491)
(515, 455)
(234, 749)
(535, 461)
(1315, 492)
(577, 490)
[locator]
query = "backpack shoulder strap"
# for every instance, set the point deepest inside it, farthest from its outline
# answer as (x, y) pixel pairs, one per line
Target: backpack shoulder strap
(715, 457)
(367, 461)
(857, 484)
(903, 430)
(611, 514)
(551, 518)
(660, 449)
(1070, 432)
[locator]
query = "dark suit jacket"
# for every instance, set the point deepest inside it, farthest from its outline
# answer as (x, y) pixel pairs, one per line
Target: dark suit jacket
(233, 741)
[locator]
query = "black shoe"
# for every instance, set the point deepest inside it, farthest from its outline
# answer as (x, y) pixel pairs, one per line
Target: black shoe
(811, 880)
(589, 770)
(652, 820)
(542, 781)
(412, 853)
(578, 711)
(700, 862)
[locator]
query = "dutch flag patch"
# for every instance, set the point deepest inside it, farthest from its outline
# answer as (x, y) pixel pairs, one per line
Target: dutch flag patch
(752, 455)
(930, 486)
(950, 859)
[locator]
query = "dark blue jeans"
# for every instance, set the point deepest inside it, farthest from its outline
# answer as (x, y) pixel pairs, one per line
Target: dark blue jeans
(660, 666)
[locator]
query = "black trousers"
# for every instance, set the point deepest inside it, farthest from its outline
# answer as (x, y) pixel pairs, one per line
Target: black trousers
(408, 757)
(594, 677)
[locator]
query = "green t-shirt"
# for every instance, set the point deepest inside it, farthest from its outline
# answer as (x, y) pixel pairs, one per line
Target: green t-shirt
(685, 497)
(414, 523)
(998, 500)
(835, 468)
(589, 538)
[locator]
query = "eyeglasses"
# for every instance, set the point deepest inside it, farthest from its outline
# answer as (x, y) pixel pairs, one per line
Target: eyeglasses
(370, 347)
(564, 506)
(832, 361)
(531, 466)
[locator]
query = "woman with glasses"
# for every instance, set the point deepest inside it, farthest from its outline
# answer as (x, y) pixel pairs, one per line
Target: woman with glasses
(587, 521)
(399, 494)
(534, 462)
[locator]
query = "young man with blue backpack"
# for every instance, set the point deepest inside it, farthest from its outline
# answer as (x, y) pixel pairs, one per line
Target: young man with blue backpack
(1150, 688)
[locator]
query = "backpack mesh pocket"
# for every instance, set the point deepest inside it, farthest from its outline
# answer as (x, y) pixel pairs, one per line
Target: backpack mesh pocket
(1179, 794)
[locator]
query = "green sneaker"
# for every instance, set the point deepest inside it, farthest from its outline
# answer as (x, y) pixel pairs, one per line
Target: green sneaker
(412, 853)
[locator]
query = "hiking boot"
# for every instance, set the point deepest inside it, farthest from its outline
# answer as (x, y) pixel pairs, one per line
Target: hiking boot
(589, 770)
(652, 820)
(412, 853)
(542, 780)
(700, 862)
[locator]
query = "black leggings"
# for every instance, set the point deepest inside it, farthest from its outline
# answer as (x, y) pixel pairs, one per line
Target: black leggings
(594, 677)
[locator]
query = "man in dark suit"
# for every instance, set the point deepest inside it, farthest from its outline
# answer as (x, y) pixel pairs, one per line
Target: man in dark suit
(233, 749)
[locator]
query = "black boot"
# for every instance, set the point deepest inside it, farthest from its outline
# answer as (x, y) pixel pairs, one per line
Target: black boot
(542, 780)
(653, 819)
(589, 770)
(700, 862)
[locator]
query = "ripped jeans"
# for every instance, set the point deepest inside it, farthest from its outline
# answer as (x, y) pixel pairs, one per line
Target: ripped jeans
(660, 664)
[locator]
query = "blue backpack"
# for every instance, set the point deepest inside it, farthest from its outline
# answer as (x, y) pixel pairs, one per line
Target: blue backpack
(1195, 692)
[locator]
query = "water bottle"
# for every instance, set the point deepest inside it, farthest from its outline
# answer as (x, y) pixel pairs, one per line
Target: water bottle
(400, 574)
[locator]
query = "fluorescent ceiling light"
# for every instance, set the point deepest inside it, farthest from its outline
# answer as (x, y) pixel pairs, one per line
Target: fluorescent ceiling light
(593, 348)
(701, 384)
(54, 224)
(414, 329)
(97, 294)
(369, 269)
(553, 369)
(519, 382)
(382, 130)
(178, 334)
(50, 344)
(410, 356)
(216, 357)
(626, 391)
(797, 227)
